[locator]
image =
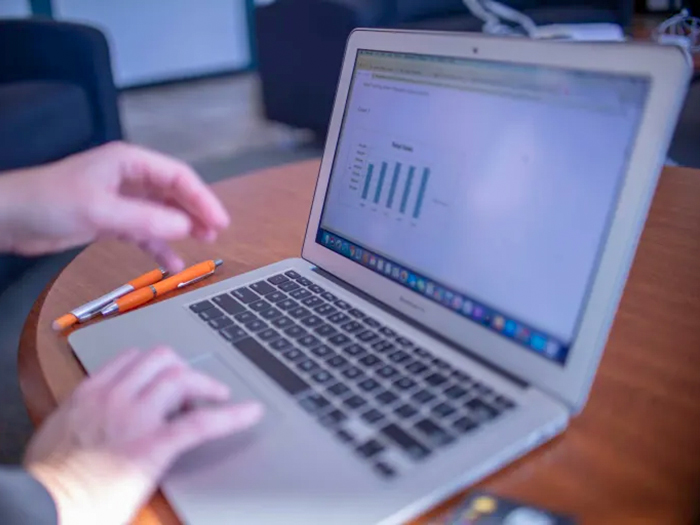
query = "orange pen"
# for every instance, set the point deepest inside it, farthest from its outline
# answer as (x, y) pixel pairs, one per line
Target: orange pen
(140, 297)
(91, 309)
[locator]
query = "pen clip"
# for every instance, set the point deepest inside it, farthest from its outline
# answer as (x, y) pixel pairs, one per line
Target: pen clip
(195, 280)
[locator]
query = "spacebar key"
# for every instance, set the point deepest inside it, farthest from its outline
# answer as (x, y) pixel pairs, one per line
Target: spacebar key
(272, 366)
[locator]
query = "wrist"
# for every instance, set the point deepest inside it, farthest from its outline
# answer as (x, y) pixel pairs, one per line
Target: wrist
(71, 505)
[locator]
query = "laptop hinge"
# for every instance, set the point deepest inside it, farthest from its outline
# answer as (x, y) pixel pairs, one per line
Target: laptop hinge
(391, 311)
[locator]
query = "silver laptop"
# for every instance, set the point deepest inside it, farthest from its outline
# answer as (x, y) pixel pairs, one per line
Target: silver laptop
(477, 210)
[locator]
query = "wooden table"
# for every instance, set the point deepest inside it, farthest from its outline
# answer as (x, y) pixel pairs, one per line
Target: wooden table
(632, 456)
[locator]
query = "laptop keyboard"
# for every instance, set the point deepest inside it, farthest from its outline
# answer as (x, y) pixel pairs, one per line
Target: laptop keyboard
(392, 401)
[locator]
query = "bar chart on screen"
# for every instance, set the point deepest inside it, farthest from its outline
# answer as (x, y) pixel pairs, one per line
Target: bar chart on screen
(395, 179)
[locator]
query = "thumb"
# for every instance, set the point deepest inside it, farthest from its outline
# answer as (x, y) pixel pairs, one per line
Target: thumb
(143, 220)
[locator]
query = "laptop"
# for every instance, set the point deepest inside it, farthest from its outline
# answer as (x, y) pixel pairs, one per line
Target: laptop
(476, 213)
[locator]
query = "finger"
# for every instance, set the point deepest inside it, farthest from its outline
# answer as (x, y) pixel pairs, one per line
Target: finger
(176, 388)
(141, 219)
(180, 183)
(163, 255)
(200, 426)
(141, 371)
(112, 369)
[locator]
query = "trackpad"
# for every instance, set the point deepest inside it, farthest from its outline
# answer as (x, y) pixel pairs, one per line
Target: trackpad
(213, 452)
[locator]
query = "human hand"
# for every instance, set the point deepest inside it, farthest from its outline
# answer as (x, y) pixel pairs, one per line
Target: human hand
(103, 451)
(116, 190)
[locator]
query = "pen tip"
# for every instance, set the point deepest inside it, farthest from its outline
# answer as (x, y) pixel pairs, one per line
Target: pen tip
(64, 322)
(218, 262)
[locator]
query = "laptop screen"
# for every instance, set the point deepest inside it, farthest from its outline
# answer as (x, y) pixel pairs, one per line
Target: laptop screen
(487, 187)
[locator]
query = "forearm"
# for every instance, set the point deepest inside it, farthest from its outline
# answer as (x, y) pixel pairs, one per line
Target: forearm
(16, 201)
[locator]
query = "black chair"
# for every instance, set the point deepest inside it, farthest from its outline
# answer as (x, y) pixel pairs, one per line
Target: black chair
(300, 43)
(57, 97)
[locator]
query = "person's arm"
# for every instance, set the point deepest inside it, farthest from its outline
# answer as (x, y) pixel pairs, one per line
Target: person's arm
(24, 500)
(114, 191)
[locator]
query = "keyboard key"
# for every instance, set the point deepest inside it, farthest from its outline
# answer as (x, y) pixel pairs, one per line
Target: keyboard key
(220, 322)
(352, 326)
(480, 411)
(300, 294)
(259, 306)
(339, 389)
(211, 313)
(304, 281)
(465, 424)
(455, 392)
(278, 279)
(382, 346)
(434, 433)
(326, 330)
(503, 403)
(312, 302)
(435, 379)
(352, 373)
(321, 377)
(460, 376)
(295, 331)
(269, 364)
(323, 351)
(407, 443)
(233, 333)
(276, 297)
(338, 318)
(416, 368)
(439, 363)
(344, 436)
(270, 314)
(312, 321)
(405, 383)
(370, 449)
(341, 304)
(387, 371)
(280, 344)
(422, 352)
(444, 410)
(367, 336)
(332, 418)
(316, 288)
(405, 411)
(314, 403)
(307, 365)
(337, 362)
(371, 322)
(385, 330)
(399, 356)
(201, 306)
(325, 310)
(246, 317)
(358, 314)
(292, 274)
(423, 396)
(339, 339)
(402, 341)
(372, 416)
(282, 322)
(368, 385)
(354, 350)
(289, 286)
(256, 325)
(298, 312)
(328, 296)
(268, 335)
(262, 288)
(385, 470)
(482, 389)
(354, 402)
(245, 295)
(228, 304)
(370, 360)
(386, 397)
(308, 341)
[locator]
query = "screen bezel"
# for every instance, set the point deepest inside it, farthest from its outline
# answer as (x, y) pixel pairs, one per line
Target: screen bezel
(669, 72)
